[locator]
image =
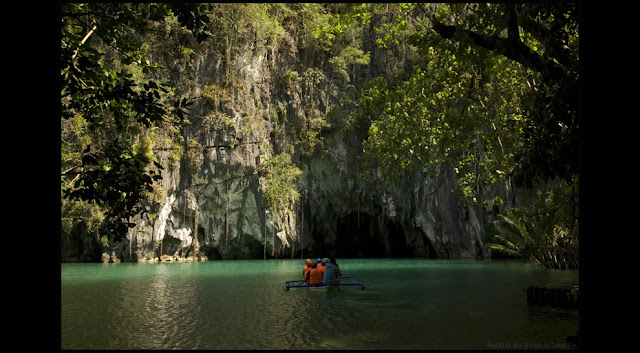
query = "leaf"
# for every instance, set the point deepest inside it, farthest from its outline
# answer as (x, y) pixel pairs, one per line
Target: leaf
(503, 248)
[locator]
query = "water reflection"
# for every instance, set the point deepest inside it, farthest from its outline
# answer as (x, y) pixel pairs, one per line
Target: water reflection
(408, 304)
(150, 311)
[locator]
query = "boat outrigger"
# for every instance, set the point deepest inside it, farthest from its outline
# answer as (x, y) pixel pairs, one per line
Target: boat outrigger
(300, 284)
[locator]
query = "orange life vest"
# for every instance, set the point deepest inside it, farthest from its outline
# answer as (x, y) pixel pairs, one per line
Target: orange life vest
(306, 269)
(315, 275)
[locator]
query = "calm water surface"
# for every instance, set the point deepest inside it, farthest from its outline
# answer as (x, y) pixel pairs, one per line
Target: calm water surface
(407, 304)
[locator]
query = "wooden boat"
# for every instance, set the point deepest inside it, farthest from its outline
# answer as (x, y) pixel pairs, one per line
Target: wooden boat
(300, 284)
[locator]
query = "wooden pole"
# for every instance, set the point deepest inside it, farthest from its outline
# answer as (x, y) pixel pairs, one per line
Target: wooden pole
(265, 234)
(226, 231)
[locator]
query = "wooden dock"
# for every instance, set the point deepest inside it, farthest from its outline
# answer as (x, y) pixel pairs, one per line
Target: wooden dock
(563, 295)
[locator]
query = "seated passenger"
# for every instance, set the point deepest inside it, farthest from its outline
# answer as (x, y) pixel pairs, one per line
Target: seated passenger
(306, 269)
(314, 276)
(332, 273)
(325, 261)
(320, 265)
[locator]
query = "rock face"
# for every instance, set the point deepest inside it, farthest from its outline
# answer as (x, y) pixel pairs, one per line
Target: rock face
(336, 215)
(268, 98)
(418, 217)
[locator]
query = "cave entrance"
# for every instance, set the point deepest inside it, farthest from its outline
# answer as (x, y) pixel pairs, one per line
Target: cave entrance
(362, 235)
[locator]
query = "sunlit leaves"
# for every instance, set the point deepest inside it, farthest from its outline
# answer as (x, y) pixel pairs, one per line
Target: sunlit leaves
(348, 56)
(281, 182)
(461, 107)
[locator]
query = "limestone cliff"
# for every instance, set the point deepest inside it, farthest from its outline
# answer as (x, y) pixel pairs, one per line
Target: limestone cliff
(255, 97)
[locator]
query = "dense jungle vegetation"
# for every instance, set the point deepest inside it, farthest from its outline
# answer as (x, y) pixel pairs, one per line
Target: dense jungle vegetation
(490, 89)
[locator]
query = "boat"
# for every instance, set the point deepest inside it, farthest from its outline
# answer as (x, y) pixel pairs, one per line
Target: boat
(300, 284)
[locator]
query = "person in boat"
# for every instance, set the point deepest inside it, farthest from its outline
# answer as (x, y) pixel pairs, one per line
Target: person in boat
(320, 265)
(307, 268)
(324, 261)
(315, 276)
(332, 273)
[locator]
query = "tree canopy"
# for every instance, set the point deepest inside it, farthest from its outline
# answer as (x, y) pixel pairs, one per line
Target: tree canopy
(492, 89)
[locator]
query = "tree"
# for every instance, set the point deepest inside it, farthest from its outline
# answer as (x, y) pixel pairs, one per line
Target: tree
(106, 93)
(543, 37)
(492, 91)
(281, 187)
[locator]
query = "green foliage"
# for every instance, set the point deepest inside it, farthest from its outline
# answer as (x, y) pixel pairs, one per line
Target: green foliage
(290, 77)
(81, 213)
(309, 135)
(460, 111)
(552, 138)
(472, 100)
(237, 23)
(348, 55)
(340, 37)
(398, 24)
(543, 38)
(213, 94)
(545, 231)
(116, 180)
(108, 100)
(281, 182)
(281, 179)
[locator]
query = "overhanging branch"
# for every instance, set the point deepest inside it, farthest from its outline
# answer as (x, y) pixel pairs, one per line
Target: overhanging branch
(82, 41)
(511, 47)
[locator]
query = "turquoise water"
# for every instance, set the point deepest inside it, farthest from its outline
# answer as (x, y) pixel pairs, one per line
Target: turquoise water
(407, 304)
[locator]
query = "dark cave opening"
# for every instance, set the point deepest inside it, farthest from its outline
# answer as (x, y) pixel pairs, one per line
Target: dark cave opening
(360, 235)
